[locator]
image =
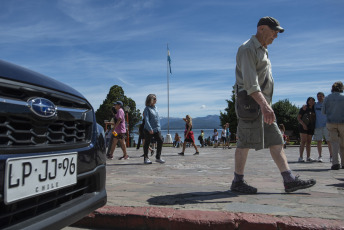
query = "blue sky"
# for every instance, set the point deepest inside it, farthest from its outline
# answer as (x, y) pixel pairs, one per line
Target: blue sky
(95, 44)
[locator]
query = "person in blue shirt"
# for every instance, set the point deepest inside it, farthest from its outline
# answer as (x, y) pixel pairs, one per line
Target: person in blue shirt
(152, 129)
(333, 108)
(321, 131)
(228, 136)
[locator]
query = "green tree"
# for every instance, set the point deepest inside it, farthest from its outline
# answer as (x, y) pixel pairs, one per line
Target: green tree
(286, 114)
(116, 93)
(229, 116)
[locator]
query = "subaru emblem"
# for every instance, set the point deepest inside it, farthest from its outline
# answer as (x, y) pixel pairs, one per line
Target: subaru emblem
(42, 107)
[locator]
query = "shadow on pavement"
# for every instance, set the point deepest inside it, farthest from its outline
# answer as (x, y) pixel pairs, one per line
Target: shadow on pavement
(192, 198)
(339, 185)
(107, 165)
(311, 170)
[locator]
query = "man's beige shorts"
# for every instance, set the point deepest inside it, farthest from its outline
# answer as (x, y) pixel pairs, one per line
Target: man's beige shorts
(252, 135)
(336, 131)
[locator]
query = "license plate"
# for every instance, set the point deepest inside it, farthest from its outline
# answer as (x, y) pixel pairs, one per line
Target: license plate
(30, 176)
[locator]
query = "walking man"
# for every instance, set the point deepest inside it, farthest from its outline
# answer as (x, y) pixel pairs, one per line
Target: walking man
(333, 108)
(253, 74)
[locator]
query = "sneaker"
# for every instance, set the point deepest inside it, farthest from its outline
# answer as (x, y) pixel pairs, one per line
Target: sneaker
(243, 187)
(335, 167)
(320, 159)
(126, 157)
(152, 152)
(301, 160)
(310, 159)
(161, 161)
(298, 184)
(181, 154)
(147, 161)
(109, 157)
(196, 153)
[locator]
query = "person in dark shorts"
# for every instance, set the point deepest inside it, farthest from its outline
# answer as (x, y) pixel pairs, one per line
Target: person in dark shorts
(306, 119)
(119, 132)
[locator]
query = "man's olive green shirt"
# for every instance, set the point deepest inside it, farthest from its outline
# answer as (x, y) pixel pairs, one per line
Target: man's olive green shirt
(252, 67)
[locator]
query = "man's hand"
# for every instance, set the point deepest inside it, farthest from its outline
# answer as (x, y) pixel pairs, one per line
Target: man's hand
(268, 112)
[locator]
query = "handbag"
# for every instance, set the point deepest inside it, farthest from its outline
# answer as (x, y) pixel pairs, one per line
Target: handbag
(246, 107)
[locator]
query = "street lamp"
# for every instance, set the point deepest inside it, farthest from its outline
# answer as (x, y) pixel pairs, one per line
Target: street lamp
(127, 110)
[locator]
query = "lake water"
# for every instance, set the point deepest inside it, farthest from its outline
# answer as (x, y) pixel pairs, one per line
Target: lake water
(197, 132)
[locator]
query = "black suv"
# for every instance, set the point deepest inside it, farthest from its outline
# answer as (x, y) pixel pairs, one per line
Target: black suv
(52, 152)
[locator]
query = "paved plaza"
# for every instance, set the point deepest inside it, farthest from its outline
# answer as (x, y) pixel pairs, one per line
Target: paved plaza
(202, 183)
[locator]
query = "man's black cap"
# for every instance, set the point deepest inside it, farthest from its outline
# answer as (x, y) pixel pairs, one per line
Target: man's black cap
(271, 22)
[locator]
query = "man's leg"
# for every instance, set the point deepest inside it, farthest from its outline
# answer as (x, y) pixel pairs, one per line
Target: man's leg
(341, 141)
(291, 183)
(334, 138)
(240, 160)
(278, 155)
(238, 184)
(319, 146)
(124, 147)
(112, 148)
(318, 136)
(329, 148)
(335, 153)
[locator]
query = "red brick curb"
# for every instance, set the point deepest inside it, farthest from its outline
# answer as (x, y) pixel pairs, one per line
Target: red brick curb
(169, 218)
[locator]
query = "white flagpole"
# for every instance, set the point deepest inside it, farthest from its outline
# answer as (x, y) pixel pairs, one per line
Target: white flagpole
(168, 96)
(168, 138)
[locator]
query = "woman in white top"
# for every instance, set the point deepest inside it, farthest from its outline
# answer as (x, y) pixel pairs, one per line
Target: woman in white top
(223, 137)
(215, 138)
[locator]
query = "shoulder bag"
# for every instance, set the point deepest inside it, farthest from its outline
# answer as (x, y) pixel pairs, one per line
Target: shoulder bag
(247, 108)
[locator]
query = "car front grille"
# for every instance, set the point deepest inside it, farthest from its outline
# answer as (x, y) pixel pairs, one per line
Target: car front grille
(21, 128)
(18, 131)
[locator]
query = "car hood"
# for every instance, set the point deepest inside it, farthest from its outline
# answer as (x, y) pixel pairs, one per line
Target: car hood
(18, 73)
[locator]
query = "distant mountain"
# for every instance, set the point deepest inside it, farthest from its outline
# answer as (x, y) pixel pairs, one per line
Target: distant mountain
(208, 122)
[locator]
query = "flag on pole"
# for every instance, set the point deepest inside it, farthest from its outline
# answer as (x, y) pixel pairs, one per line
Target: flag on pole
(169, 59)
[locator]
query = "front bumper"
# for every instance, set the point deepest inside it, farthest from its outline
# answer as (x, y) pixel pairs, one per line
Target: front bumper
(73, 210)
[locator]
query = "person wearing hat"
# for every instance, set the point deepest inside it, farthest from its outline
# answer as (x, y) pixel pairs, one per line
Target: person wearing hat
(120, 131)
(253, 75)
